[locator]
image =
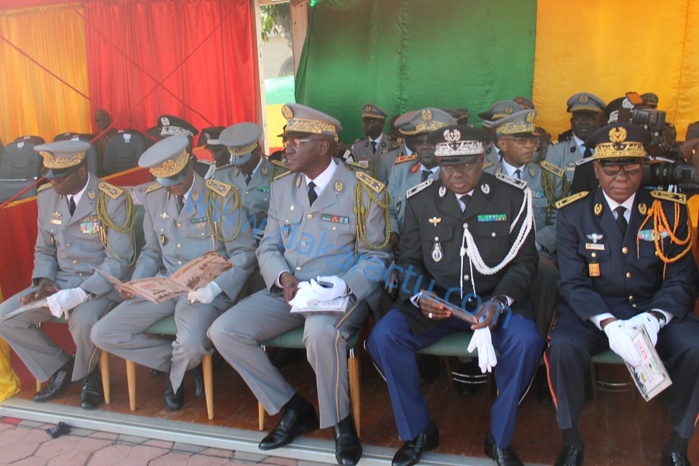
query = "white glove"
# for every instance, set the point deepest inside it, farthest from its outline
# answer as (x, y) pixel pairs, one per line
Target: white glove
(338, 288)
(205, 294)
(486, 353)
(304, 294)
(63, 301)
(621, 343)
(651, 323)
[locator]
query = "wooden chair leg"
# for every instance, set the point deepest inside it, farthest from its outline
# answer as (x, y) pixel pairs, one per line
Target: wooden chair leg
(207, 369)
(131, 382)
(355, 395)
(104, 370)
(261, 416)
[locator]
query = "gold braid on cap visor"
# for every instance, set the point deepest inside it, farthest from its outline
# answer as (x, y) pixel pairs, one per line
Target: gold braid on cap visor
(244, 150)
(515, 127)
(171, 167)
(54, 162)
(303, 125)
(619, 149)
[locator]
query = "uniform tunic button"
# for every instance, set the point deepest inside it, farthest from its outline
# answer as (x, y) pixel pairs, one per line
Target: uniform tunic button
(298, 269)
(630, 298)
(633, 305)
(179, 225)
(67, 245)
(628, 274)
(492, 234)
(179, 245)
(202, 234)
(80, 274)
(291, 208)
(75, 261)
(466, 277)
(594, 254)
(624, 250)
(309, 215)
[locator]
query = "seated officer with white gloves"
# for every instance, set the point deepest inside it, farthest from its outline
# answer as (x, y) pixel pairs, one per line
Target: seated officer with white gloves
(476, 230)
(84, 224)
(625, 261)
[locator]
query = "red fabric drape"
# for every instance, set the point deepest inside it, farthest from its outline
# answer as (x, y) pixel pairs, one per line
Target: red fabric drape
(190, 58)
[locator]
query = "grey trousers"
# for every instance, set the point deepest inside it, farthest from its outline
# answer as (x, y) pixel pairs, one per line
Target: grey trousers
(37, 351)
(237, 335)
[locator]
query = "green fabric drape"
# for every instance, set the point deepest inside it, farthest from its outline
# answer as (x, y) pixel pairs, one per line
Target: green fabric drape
(410, 56)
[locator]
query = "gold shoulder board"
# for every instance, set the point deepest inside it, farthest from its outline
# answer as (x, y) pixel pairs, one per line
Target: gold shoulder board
(280, 176)
(356, 165)
(374, 184)
(218, 187)
(417, 188)
(110, 190)
(555, 169)
(570, 199)
(279, 163)
(517, 183)
(668, 196)
(487, 165)
(153, 187)
(43, 187)
(404, 158)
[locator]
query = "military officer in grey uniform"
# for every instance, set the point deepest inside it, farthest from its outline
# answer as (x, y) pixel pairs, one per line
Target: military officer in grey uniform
(375, 144)
(586, 116)
(326, 238)
(400, 149)
(84, 223)
(498, 110)
(185, 217)
(411, 170)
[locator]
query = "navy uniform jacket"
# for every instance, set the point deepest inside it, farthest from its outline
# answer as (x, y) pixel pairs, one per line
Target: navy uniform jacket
(431, 218)
(630, 279)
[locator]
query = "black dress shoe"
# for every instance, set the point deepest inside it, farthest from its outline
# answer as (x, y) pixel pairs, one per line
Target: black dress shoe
(348, 450)
(174, 400)
(571, 456)
(411, 451)
(674, 459)
(198, 376)
(502, 456)
(92, 395)
(59, 381)
(295, 420)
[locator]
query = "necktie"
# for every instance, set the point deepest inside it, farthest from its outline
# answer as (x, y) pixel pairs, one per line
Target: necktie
(621, 220)
(71, 205)
(518, 174)
(248, 177)
(463, 202)
(180, 202)
(312, 195)
(373, 146)
(424, 175)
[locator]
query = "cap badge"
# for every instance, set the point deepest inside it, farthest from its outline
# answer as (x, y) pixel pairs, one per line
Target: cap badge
(530, 117)
(642, 209)
(287, 112)
(367, 108)
(617, 135)
(442, 191)
(509, 109)
(426, 115)
(485, 188)
(583, 99)
(452, 135)
(434, 221)
(598, 209)
(165, 121)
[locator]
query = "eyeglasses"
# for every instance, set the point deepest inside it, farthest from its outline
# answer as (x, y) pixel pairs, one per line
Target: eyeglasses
(296, 142)
(522, 140)
(614, 170)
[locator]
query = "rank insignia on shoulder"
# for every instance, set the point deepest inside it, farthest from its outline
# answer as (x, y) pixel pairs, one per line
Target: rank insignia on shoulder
(551, 168)
(280, 176)
(110, 190)
(358, 165)
(583, 161)
(43, 187)
(570, 199)
(218, 187)
(517, 183)
(668, 196)
(417, 188)
(153, 187)
(487, 165)
(404, 158)
(279, 163)
(372, 183)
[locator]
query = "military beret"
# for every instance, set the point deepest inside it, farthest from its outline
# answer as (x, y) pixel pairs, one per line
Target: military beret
(167, 159)
(62, 157)
(457, 143)
(241, 139)
(519, 122)
(427, 120)
(171, 125)
(498, 110)
(373, 111)
(619, 142)
(585, 102)
(303, 119)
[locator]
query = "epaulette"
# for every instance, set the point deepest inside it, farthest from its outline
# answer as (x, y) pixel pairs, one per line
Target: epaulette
(517, 183)
(356, 166)
(570, 199)
(43, 187)
(583, 161)
(280, 176)
(417, 188)
(668, 196)
(555, 169)
(218, 187)
(110, 190)
(488, 165)
(372, 183)
(404, 158)
(153, 187)
(279, 163)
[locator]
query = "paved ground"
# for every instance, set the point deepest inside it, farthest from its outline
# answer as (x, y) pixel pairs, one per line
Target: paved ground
(26, 443)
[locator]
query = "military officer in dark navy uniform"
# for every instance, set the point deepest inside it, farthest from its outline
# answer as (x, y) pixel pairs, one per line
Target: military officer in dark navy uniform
(468, 238)
(625, 262)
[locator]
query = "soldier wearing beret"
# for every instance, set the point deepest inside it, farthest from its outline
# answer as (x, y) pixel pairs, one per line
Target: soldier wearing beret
(491, 219)
(586, 115)
(328, 225)
(625, 262)
(186, 216)
(375, 144)
(84, 223)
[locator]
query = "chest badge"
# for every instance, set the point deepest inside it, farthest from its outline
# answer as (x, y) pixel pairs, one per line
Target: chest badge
(434, 221)
(164, 215)
(642, 209)
(594, 270)
(339, 186)
(442, 191)
(437, 251)
(485, 188)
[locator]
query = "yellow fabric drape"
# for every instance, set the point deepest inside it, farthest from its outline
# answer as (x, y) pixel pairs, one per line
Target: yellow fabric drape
(610, 47)
(9, 382)
(32, 101)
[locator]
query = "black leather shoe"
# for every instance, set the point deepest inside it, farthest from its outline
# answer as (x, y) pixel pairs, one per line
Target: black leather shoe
(348, 450)
(92, 395)
(295, 421)
(174, 400)
(198, 376)
(674, 459)
(571, 456)
(59, 381)
(502, 456)
(411, 451)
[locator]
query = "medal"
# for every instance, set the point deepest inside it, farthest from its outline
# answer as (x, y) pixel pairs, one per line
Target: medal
(437, 252)
(594, 270)
(162, 239)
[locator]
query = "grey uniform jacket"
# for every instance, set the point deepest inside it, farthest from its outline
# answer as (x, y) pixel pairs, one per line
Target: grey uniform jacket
(406, 173)
(564, 155)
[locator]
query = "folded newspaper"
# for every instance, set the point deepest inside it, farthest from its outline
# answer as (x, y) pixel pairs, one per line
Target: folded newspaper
(333, 306)
(26, 308)
(193, 275)
(650, 375)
